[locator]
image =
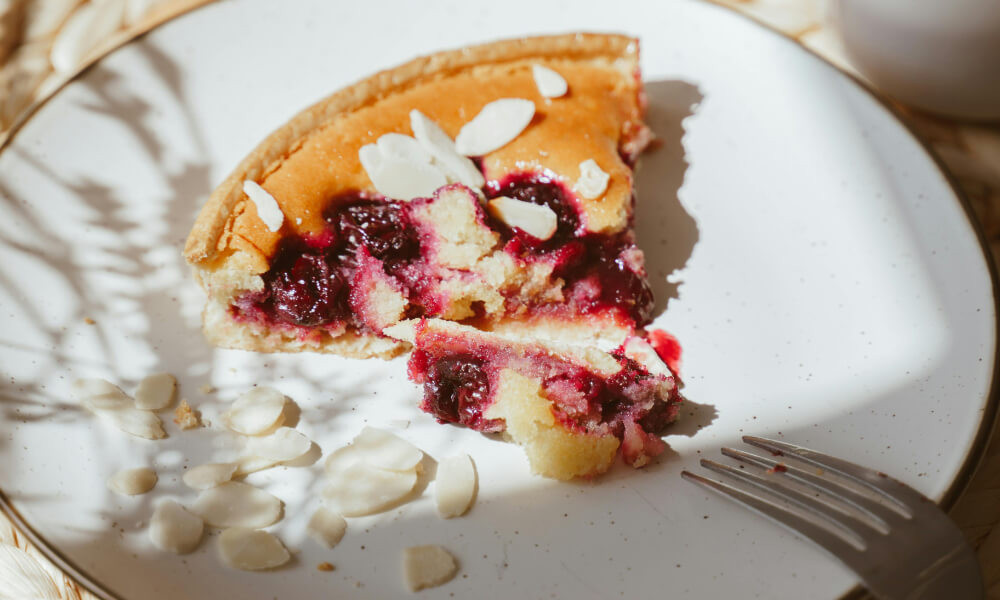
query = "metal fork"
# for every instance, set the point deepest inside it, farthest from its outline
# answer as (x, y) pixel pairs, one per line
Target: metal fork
(899, 542)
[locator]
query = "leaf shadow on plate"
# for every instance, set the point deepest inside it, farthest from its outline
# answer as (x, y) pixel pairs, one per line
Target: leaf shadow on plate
(666, 233)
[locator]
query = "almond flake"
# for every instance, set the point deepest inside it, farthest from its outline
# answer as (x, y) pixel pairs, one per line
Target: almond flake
(376, 448)
(403, 147)
(251, 464)
(100, 394)
(370, 157)
(237, 504)
(209, 475)
(282, 445)
(326, 527)
(251, 549)
(132, 482)
(267, 207)
(457, 168)
(133, 421)
(256, 411)
(593, 181)
(361, 489)
(455, 485)
(173, 529)
(427, 566)
(155, 392)
(549, 83)
(537, 220)
(403, 179)
(497, 123)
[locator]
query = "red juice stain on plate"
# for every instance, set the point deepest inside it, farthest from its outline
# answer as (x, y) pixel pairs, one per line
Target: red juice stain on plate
(668, 348)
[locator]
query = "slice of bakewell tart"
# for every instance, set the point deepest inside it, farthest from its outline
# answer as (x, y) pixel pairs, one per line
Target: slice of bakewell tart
(490, 185)
(570, 407)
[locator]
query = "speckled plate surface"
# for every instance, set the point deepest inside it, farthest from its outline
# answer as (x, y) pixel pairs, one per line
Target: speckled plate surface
(818, 268)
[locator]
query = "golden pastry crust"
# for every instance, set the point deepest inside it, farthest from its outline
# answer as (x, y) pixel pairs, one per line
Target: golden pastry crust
(314, 156)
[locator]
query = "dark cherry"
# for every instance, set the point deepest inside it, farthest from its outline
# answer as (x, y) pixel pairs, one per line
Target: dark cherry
(456, 389)
(622, 287)
(381, 226)
(304, 289)
(542, 189)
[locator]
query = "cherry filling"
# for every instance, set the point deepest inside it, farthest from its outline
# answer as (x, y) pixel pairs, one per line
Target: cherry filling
(382, 227)
(542, 189)
(601, 271)
(456, 389)
(309, 279)
(308, 284)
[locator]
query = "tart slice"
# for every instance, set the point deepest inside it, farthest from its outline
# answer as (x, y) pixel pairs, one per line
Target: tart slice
(489, 185)
(571, 408)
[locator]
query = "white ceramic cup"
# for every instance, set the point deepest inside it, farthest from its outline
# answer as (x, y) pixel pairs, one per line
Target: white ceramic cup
(942, 56)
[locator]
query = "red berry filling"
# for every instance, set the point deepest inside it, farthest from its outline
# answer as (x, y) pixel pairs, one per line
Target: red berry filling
(601, 272)
(308, 283)
(457, 378)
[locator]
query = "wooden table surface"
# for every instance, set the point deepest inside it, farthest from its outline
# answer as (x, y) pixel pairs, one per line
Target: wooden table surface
(30, 33)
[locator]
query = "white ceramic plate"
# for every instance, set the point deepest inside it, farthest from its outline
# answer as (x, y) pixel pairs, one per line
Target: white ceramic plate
(824, 280)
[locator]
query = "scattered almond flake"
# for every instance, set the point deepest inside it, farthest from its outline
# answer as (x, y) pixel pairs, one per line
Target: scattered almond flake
(256, 411)
(361, 489)
(549, 83)
(326, 527)
(536, 220)
(641, 352)
(282, 445)
(186, 417)
(402, 179)
(455, 485)
(267, 207)
(377, 448)
(251, 549)
(155, 391)
(403, 147)
(209, 475)
(132, 482)
(495, 126)
(251, 464)
(237, 504)
(427, 566)
(100, 394)
(174, 529)
(593, 181)
(325, 567)
(207, 388)
(133, 421)
(458, 168)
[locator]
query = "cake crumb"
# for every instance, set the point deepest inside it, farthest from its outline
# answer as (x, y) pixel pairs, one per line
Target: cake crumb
(325, 567)
(90, 321)
(186, 417)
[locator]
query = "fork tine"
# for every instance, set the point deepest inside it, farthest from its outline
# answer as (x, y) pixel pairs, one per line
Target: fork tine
(794, 497)
(829, 541)
(867, 507)
(901, 496)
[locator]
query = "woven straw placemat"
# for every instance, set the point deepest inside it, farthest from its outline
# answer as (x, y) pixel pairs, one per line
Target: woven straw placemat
(45, 43)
